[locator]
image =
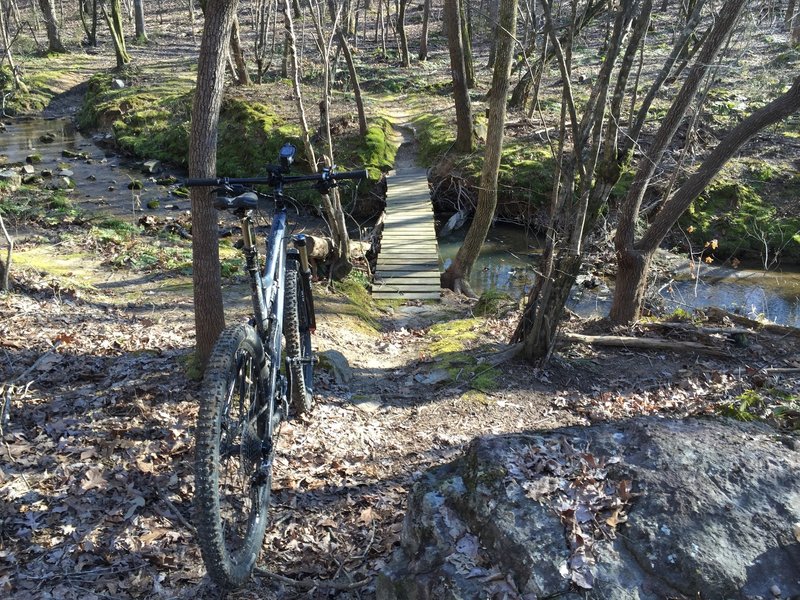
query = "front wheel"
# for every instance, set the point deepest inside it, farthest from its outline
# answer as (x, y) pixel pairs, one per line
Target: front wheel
(297, 329)
(232, 477)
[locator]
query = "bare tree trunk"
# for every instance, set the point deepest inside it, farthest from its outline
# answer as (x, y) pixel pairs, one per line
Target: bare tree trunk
(138, 11)
(351, 69)
(629, 210)
(493, 8)
(572, 211)
(641, 116)
(423, 42)
(401, 29)
(466, 42)
(456, 277)
(264, 12)
(5, 265)
(464, 137)
(240, 73)
(91, 31)
(298, 95)
(114, 21)
(793, 22)
(53, 34)
(18, 83)
(333, 208)
(635, 256)
(214, 47)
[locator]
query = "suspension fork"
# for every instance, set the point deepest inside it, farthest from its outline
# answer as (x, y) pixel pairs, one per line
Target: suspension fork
(305, 281)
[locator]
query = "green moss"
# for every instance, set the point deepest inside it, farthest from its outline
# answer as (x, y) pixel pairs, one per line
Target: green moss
(250, 135)
(191, 366)
(149, 116)
(491, 303)
(379, 147)
(434, 137)
(360, 302)
(448, 349)
(450, 336)
(737, 217)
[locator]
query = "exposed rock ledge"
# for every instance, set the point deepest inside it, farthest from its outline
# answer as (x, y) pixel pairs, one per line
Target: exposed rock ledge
(643, 509)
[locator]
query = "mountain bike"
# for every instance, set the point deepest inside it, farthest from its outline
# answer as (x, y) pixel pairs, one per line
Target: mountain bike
(247, 388)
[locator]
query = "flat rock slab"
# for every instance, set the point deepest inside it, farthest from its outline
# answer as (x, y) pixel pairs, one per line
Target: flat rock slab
(644, 509)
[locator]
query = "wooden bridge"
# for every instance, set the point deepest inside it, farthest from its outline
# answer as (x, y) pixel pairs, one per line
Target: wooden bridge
(408, 263)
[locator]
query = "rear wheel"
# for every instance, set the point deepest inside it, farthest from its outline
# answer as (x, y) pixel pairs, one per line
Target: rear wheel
(297, 329)
(232, 489)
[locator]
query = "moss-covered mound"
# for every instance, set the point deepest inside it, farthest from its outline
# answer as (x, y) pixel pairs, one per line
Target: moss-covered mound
(742, 223)
(149, 119)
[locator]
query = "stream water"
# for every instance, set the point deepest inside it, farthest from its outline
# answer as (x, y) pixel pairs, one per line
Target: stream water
(506, 263)
(509, 257)
(101, 177)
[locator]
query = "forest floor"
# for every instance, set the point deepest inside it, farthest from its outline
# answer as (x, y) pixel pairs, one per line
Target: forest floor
(96, 474)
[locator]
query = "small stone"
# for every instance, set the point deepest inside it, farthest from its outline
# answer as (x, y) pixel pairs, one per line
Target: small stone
(336, 363)
(65, 173)
(92, 178)
(796, 531)
(153, 204)
(111, 188)
(11, 177)
(47, 173)
(28, 169)
(368, 403)
(33, 159)
(776, 591)
(47, 138)
(72, 154)
(151, 166)
(118, 84)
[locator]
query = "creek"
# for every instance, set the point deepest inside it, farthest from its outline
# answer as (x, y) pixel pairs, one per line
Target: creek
(100, 177)
(507, 260)
(509, 257)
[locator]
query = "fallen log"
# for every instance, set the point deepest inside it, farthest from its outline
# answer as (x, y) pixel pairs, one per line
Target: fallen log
(643, 343)
(719, 314)
(689, 328)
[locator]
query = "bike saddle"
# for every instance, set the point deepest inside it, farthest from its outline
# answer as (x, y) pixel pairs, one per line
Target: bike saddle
(246, 201)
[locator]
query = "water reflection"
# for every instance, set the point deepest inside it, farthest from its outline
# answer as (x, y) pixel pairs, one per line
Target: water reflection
(100, 176)
(509, 256)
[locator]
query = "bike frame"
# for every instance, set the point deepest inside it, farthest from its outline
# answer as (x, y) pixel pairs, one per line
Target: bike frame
(267, 287)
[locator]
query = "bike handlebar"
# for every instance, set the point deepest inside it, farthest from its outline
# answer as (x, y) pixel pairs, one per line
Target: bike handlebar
(273, 179)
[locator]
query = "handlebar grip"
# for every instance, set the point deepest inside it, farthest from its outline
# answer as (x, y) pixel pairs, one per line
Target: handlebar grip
(202, 182)
(351, 175)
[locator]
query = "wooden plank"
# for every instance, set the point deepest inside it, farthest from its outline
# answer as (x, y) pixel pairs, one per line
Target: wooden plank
(408, 263)
(386, 276)
(419, 267)
(411, 296)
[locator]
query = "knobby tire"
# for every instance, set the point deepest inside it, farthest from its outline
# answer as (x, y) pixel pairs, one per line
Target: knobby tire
(231, 495)
(296, 329)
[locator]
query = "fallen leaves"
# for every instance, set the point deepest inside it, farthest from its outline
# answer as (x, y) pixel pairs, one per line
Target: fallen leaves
(576, 485)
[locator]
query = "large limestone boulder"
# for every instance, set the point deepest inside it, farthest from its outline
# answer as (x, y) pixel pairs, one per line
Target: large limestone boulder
(644, 509)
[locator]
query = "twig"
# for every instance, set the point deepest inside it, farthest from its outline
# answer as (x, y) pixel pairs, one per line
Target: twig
(177, 513)
(646, 343)
(369, 544)
(310, 584)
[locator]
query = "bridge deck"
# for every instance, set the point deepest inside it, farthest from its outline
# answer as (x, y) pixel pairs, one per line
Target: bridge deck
(408, 263)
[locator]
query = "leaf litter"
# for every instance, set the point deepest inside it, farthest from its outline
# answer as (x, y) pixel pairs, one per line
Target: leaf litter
(96, 476)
